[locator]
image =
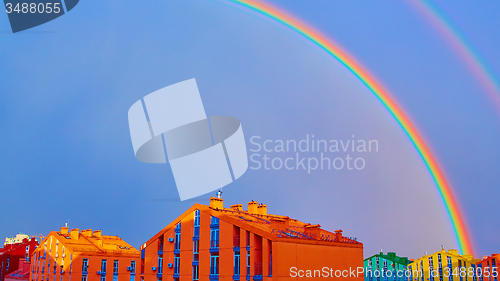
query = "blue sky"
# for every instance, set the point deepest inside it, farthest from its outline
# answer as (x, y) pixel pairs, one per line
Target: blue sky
(67, 85)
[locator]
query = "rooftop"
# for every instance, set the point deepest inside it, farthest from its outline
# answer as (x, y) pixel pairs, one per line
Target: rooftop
(273, 227)
(88, 241)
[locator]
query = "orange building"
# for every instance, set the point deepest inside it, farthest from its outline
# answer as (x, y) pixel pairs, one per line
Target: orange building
(83, 256)
(487, 268)
(217, 243)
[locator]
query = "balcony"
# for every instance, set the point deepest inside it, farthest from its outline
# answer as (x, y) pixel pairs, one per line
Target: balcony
(214, 245)
(196, 233)
(236, 241)
(257, 271)
(270, 269)
(160, 253)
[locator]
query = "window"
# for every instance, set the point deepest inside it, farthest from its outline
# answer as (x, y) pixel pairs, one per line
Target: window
(248, 238)
(85, 266)
(160, 265)
(440, 265)
(177, 241)
(215, 221)
(115, 267)
(103, 265)
(196, 272)
(236, 263)
(196, 250)
(248, 263)
(84, 277)
(177, 264)
(197, 218)
(132, 271)
(132, 266)
(8, 263)
(450, 266)
(431, 268)
(214, 238)
(214, 264)
(494, 269)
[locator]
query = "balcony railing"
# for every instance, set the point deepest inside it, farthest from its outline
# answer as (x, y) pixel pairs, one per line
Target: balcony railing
(236, 241)
(258, 268)
(214, 244)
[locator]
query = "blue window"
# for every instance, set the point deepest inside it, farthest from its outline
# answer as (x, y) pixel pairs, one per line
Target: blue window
(196, 224)
(177, 264)
(450, 266)
(214, 265)
(236, 263)
(248, 264)
(104, 264)
(494, 269)
(196, 250)
(160, 265)
(115, 267)
(214, 238)
(440, 264)
(196, 272)
(431, 268)
(132, 271)
(386, 278)
(85, 266)
(214, 222)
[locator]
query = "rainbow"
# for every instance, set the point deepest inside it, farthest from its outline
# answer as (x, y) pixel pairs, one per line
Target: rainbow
(451, 204)
(463, 48)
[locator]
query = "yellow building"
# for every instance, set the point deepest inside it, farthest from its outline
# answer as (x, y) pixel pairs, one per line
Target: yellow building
(443, 266)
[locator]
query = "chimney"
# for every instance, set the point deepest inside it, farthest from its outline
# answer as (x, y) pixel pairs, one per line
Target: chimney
(338, 236)
(313, 230)
(237, 207)
(75, 233)
(98, 234)
(87, 232)
(216, 203)
(64, 230)
(262, 209)
(280, 223)
(252, 207)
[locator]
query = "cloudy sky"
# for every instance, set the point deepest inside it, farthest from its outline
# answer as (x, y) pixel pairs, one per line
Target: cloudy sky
(67, 85)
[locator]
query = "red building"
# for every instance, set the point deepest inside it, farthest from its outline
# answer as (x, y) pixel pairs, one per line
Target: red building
(21, 274)
(11, 254)
(217, 243)
(488, 268)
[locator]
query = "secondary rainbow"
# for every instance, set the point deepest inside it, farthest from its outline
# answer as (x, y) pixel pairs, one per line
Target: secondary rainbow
(451, 204)
(462, 47)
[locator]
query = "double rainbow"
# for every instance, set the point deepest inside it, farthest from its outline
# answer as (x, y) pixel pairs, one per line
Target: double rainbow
(451, 204)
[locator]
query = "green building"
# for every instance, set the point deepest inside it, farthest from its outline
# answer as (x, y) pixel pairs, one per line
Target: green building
(381, 267)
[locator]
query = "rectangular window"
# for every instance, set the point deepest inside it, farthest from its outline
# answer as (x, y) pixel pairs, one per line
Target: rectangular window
(236, 263)
(85, 266)
(450, 266)
(494, 269)
(115, 267)
(177, 264)
(103, 265)
(214, 264)
(132, 266)
(177, 241)
(431, 268)
(214, 238)
(196, 250)
(84, 277)
(196, 272)
(160, 265)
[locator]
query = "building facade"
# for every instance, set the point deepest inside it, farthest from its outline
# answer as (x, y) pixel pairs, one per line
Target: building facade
(487, 268)
(83, 256)
(217, 243)
(443, 266)
(13, 252)
(21, 274)
(386, 267)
